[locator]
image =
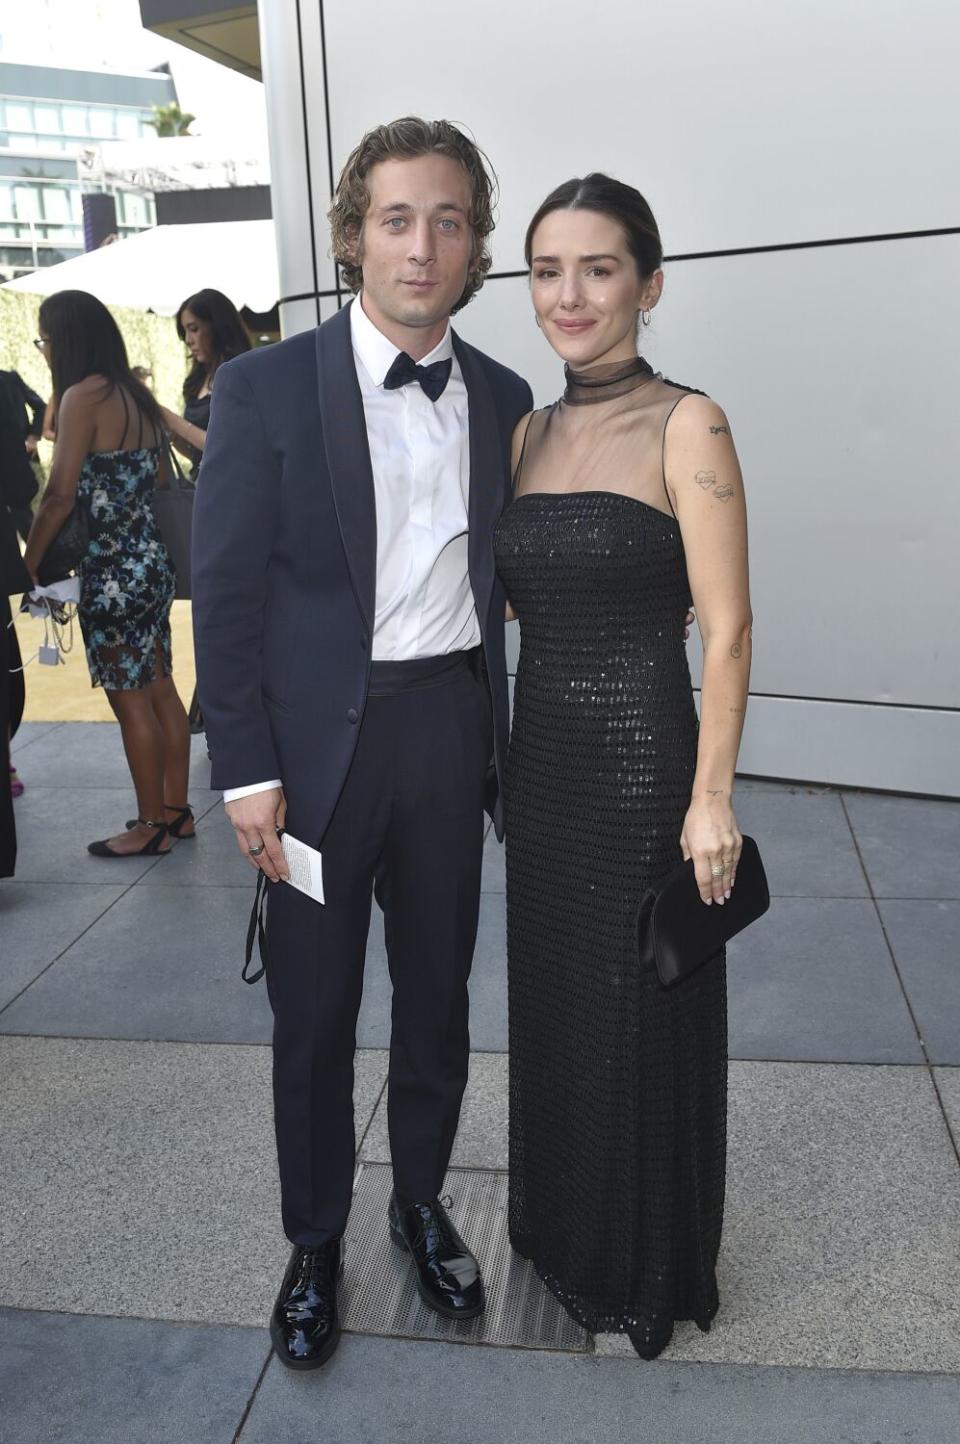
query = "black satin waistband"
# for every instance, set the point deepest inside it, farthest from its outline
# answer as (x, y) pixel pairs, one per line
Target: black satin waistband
(387, 678)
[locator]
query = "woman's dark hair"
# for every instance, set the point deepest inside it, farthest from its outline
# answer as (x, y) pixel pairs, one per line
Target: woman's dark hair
(609, 197)
(228, 335)
(406, 139)
(85, 341)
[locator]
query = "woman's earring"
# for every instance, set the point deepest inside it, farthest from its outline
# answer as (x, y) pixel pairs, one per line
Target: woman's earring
(645, 318)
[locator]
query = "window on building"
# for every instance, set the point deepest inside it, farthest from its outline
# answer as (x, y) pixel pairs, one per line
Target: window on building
(75, 119)
(19, 116)
(46, 119)
(128, 124)
(56, 205)
(101, 122)
(27, 202)
(132, 210)
(6, 201)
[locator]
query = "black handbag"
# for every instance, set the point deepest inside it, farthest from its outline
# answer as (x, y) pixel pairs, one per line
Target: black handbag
(677, 932)
(68, 548)
(172, 508)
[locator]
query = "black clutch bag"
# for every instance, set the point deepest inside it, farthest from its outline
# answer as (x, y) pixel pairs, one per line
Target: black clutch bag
(677, 932)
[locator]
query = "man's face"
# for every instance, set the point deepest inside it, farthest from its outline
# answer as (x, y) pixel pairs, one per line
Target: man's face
(416, 245)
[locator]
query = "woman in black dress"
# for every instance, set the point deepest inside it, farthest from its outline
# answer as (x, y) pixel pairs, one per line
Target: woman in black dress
(628, 504)
(210, 325)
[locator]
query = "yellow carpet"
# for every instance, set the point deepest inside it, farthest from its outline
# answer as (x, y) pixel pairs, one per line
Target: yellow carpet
(64, 693)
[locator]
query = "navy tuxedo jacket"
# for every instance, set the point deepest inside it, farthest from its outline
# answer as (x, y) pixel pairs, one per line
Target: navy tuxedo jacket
(284, 563)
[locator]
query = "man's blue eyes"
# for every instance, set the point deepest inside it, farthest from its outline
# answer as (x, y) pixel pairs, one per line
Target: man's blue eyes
(395, 223)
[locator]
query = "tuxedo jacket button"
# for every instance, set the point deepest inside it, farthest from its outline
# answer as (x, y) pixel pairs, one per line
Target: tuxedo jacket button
(352, 714)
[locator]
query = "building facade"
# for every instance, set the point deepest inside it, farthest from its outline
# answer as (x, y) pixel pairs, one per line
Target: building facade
(48, 116)
(798, 159)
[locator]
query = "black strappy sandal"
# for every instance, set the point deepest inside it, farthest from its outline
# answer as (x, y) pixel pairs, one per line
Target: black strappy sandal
(150, 848)
(184, 815)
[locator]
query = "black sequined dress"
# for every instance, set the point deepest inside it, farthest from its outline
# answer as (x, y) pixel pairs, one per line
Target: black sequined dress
(617, 1085)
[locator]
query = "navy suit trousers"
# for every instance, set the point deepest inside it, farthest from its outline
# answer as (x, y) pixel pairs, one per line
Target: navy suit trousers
(408, 827)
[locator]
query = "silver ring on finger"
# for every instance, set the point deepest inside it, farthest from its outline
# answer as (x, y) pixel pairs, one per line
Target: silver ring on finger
(256, 851)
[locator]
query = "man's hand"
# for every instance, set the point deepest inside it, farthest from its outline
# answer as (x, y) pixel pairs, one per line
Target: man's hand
(255, 820)
(687, 624)
(31, 445)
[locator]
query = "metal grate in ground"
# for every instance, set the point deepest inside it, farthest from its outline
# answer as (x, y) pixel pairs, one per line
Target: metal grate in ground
(379, 1296)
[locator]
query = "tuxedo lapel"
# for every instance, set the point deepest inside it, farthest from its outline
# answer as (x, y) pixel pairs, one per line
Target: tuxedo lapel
(486, 477)
(348, 457)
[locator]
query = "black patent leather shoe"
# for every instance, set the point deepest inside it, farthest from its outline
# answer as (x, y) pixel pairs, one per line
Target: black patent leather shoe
(448, 1275)
(305, 1324)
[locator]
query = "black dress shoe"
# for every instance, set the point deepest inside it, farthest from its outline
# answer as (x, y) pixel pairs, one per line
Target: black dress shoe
(448, 1275)
(305, 1325)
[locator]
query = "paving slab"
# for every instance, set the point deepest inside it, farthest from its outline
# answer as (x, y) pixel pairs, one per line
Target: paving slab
(161, 964)
(212, 859)
(805, 842)
(30, 732)
(484, 1118)
(799, 979)
(948, 1081)
(54, 825)
(494, 864)
(843, 1213)
(123, 1381)
(488, 983)
(140, 1178)
(90, 754)
(826, 1261)
(910, 845)
(925, 937)
(38, 921)
(394, 1391)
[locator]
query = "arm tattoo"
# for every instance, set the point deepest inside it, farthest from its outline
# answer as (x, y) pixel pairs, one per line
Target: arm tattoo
(714, 791)
(736, 651)
(716, 430)
(707, 479)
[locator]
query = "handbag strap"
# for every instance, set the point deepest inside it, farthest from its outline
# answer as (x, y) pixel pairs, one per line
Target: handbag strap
(173, 464)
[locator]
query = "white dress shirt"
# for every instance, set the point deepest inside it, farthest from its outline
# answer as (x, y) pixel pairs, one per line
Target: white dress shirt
(420, 456)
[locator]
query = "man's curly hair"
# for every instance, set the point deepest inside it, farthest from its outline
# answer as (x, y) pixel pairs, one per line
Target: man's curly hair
(405, 140)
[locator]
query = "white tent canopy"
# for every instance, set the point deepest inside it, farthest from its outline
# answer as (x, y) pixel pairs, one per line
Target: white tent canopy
(157, 269)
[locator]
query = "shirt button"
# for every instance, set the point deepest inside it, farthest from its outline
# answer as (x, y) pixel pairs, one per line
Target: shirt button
(352, 714)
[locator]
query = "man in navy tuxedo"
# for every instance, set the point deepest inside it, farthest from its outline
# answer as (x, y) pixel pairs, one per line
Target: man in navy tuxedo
(350, 652)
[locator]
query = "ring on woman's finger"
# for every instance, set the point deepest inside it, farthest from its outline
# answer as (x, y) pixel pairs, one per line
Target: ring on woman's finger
(256, 851)
(717, 871)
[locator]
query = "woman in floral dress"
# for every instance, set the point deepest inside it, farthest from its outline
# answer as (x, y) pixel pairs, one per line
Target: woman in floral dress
(107, 457)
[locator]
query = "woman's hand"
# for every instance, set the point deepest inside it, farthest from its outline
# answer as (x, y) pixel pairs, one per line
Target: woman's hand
(712, 838)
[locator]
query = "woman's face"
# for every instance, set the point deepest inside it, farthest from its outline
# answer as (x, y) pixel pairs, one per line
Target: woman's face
(586, 287)
(198, 336)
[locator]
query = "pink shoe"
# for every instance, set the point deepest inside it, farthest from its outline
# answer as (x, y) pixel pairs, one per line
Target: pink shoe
(16, 786)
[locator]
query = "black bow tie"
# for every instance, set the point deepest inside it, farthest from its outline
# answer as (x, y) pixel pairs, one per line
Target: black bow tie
(432, 378)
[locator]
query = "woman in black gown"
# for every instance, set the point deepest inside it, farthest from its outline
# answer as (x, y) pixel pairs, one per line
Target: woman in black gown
(628, 504)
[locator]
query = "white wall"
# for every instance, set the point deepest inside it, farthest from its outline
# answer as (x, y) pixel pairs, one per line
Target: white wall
(746, 125)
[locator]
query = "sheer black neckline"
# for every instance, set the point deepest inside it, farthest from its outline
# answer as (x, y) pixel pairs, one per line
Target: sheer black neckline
(607, 382)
